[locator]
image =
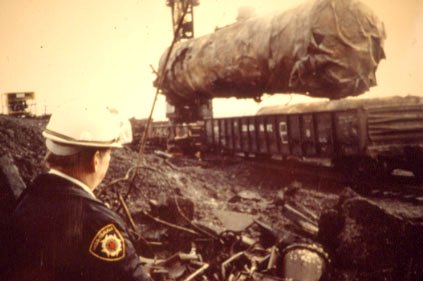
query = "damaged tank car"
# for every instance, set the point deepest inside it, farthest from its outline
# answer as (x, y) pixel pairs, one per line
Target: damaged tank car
(323, 48)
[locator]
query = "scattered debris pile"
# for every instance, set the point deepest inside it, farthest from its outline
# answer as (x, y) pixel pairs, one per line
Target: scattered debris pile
(226, 220)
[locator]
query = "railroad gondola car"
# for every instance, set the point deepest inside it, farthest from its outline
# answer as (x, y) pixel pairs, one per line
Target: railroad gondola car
(365, 139)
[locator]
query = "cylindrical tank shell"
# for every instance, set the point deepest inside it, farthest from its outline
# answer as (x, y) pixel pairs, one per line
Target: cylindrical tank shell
(323, 48)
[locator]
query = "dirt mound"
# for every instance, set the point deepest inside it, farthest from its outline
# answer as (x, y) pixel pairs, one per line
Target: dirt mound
(21, 138)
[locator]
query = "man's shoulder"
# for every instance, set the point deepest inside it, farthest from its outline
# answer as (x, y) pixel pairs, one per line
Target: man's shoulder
(55, 186)
(100, 214)
(51, 192)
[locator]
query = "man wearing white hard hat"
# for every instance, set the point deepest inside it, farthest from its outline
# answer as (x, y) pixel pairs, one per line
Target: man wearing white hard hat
(61, 231)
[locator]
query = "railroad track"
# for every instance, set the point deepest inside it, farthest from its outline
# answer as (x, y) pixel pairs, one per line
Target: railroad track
(403, 188)
(395, 187)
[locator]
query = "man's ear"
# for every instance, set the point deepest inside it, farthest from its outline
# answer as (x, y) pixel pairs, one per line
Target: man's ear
(95, 162)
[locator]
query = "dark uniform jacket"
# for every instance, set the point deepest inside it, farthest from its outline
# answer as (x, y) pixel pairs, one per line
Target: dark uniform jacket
(60, 232)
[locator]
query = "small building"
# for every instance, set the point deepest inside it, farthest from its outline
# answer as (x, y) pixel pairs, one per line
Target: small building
(19, 103)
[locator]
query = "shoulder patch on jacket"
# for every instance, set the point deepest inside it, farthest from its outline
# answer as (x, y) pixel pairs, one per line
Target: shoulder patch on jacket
(108, 244)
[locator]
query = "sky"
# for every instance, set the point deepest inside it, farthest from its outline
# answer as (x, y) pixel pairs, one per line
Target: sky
(103, 51)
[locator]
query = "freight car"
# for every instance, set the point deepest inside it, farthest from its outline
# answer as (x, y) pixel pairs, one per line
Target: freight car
(186, 138)
(363, 139)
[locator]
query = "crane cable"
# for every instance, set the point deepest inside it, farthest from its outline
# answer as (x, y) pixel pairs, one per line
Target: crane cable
(150, 117)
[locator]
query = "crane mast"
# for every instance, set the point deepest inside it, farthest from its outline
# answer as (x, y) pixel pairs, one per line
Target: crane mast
(182, 12)
(185, 9)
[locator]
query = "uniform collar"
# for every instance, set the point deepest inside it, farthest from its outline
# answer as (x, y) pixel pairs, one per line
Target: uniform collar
(73, 180)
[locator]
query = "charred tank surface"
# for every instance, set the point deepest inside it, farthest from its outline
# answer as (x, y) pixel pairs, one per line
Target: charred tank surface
(323, 48)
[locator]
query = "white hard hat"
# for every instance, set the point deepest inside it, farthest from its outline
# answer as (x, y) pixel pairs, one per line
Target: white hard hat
(73, 127)
(125, 131)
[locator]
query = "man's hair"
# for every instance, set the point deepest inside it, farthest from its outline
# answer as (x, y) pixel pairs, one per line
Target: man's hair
(77, 160)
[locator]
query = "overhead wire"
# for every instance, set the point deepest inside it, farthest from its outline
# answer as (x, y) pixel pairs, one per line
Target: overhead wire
(161, 78)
